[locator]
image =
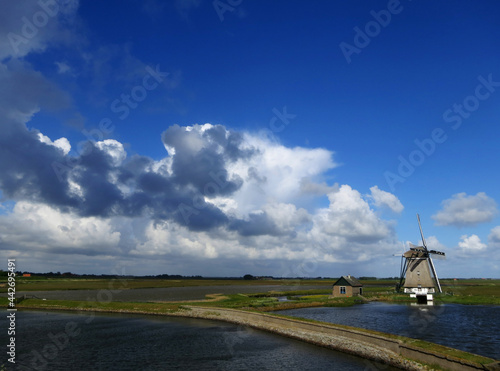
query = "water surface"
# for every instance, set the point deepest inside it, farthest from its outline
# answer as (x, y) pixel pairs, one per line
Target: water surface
(473, 328)
(68, 341)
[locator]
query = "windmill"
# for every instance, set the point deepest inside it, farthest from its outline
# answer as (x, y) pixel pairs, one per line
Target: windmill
(416, 269)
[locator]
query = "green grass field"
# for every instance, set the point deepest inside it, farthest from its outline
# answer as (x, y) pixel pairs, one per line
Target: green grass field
(473, 291)
(46, 284)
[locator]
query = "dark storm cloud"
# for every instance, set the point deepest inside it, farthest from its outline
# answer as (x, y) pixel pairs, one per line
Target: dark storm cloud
(133, 168)
(231, 142)
(205, 217)
(25, 168)
(200, 167)
(154, 183)
(173, 196)
(257, 224)
(100, 196)
(93, 184)
(17, 79)
(25, 162)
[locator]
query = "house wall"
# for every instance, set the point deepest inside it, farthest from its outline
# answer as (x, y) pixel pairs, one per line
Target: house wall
(356, 291)
(349, 291)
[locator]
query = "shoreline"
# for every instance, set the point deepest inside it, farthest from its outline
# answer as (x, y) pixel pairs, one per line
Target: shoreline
(370, 345)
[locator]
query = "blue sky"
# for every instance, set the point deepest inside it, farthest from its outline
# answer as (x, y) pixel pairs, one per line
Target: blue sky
(234, 137)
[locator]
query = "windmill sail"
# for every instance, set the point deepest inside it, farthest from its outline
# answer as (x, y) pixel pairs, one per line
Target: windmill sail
(421, 233)
(435, 274)
(412, 246)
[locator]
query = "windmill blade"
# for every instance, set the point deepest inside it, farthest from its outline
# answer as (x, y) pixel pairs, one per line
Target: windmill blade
(438, 254)
(435, 274)
(402, 275)
(412, 246)
(421, 233)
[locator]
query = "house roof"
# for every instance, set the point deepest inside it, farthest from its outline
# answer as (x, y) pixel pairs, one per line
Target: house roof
(348, 281)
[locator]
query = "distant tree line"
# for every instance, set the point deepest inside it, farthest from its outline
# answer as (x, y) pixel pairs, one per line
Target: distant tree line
(178, 276)
(74, 275)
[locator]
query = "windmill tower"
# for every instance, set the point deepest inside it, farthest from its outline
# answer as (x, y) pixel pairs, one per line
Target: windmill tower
(418, 274)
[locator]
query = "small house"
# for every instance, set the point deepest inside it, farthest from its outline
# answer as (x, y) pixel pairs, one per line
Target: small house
(347, 286)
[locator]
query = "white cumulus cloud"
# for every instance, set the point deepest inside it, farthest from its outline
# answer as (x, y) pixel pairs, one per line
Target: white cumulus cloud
(114, 149)
(385, 199)
(466, 210)
(38, 227)
(128, 207)
(471, 243)
(494, 237)
(351, 217)
(61, 143)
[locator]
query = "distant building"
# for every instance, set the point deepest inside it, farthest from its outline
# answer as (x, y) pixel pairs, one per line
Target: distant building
(347, 286)
(26, 274)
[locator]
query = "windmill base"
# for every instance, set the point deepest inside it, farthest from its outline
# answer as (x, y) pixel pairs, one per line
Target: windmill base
(423, 299)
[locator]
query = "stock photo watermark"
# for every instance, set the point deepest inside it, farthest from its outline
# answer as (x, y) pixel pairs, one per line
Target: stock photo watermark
(278, 123)
(57, 343)
(31, 27)
(122, 107)
(363, 36)
(223, 6)
(138, 93)
(454, 116)
(11, 310)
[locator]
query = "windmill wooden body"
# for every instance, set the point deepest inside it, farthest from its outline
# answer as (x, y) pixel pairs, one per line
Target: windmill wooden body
(418, 275)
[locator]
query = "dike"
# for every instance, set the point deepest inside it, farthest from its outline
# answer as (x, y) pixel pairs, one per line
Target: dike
(369, 345)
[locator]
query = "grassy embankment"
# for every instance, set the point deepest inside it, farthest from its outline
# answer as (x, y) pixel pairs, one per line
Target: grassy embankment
(414, 342)
(460, 291)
